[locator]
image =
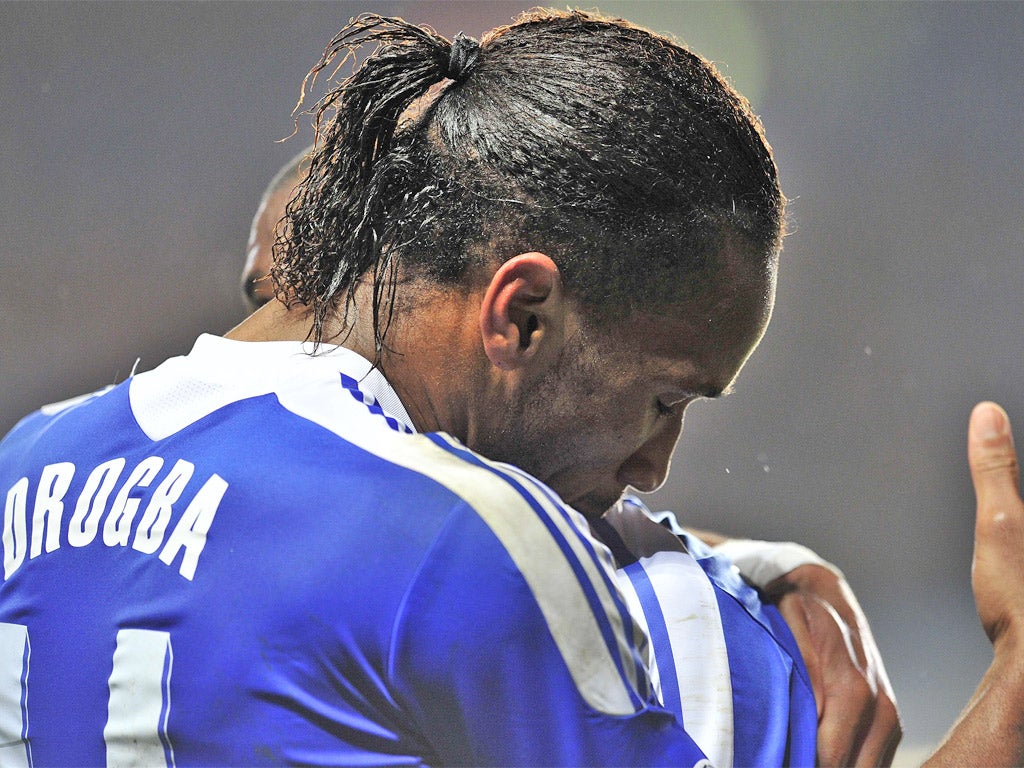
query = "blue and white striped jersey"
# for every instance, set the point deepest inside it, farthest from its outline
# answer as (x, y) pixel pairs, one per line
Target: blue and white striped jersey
(246, 557)
(723, 662)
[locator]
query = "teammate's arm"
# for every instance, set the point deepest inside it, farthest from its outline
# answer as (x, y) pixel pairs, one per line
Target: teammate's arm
(858, 721)
(991, 729)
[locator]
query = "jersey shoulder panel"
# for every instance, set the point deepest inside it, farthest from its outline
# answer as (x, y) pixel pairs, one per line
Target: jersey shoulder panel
(569, 574)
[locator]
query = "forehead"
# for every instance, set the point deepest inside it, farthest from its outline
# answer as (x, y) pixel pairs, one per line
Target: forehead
(705, 341)
(272, 206)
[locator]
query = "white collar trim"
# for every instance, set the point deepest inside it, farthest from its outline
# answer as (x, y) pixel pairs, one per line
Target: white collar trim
(219, 371)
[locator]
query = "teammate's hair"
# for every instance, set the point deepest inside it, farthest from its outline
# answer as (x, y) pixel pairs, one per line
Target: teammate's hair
(626, 158)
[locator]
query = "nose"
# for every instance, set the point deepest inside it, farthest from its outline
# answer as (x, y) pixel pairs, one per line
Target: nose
(648, 467)
(257, 288)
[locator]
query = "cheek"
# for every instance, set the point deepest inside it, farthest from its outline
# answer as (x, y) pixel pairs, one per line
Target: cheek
(586, 419)
(602, 438)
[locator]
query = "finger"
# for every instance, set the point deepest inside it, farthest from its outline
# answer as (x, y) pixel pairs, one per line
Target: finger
(999, 528)
(845, 722)
(883, 736)
(849, 698)
(889, 755)
(886, 729)
(992, 459)
(844, 603)
(794, 610)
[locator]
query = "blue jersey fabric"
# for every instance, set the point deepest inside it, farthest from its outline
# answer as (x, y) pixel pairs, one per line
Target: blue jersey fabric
(725, 663)
(246, 557)
(772, 693)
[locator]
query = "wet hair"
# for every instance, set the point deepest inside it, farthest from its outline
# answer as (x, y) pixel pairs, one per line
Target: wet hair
(620, 154)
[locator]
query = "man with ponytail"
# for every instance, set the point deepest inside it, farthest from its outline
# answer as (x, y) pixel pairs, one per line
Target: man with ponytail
(356, 529)
(813, 597)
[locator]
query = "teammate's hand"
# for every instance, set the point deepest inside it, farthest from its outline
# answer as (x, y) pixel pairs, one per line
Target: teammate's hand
(858, 723)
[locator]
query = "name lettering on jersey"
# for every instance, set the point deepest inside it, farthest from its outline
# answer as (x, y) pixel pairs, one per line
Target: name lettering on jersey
(78, 521)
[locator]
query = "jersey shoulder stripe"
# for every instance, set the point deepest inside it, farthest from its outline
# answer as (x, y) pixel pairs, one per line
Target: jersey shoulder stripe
(680, 605)
(591, 561)
(637, 581)
(572, 588)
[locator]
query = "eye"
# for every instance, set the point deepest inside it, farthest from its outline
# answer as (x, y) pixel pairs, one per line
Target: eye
(663, 410)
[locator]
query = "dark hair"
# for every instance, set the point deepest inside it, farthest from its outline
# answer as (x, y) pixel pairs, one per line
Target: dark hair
(626, 158)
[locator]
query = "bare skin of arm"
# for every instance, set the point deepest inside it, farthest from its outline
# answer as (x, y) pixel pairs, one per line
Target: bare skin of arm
(990, 730)
(858, 722)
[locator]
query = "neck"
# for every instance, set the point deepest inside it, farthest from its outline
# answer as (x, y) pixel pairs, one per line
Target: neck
(430, 355)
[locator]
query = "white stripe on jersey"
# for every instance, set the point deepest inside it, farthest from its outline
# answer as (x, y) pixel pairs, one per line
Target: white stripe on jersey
(697, 649)
(636, 611)
(54, 408)
(15, 653)
(535, 552)
(605, 561)
(220, 371)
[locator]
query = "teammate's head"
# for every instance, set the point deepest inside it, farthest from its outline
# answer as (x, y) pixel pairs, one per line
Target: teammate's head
(624, 157)
(257, 288)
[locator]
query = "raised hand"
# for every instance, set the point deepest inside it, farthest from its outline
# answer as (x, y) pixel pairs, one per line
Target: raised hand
(990, 731)
(998, 570)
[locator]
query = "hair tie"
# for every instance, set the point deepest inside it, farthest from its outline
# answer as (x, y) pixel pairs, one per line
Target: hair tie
(465, 52)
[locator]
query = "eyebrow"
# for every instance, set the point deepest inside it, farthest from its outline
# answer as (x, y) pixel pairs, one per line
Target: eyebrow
(709, 392)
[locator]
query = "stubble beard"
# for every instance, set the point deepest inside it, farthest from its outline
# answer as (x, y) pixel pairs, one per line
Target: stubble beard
(536, 428)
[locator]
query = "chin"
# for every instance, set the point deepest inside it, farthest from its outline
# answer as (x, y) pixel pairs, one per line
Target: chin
(593, 505)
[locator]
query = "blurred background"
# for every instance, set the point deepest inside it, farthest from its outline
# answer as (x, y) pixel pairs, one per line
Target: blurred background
(137, 138)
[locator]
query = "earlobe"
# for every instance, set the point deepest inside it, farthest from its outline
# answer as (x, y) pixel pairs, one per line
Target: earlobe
(521, 311)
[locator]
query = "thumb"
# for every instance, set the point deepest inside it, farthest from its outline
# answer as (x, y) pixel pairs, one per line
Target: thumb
(998, 569)
(992, 459)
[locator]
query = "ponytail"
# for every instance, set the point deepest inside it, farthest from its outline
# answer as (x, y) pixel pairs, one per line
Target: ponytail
(626, 158)
(338, 227)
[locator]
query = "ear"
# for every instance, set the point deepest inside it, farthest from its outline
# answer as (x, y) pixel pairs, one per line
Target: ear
(522, 314)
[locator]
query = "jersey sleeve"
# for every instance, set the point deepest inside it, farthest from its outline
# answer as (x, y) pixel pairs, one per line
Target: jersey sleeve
(500, 659)
(760, 562)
